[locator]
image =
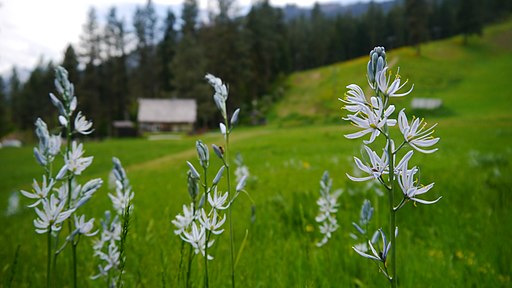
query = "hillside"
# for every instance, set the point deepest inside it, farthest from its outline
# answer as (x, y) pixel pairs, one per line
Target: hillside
(464, 77)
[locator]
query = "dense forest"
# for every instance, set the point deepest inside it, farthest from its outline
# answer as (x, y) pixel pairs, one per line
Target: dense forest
(116, 63)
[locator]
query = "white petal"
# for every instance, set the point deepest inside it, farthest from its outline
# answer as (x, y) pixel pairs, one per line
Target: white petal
(425, 201)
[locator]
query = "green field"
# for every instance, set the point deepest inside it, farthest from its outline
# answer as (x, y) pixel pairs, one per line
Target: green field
(462, 241)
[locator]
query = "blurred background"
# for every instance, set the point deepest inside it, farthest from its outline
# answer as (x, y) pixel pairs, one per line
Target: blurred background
(118, 51)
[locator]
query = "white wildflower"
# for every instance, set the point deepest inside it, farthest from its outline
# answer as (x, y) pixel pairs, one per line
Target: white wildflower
(378, 256)
(112, 257)
(83, 126)
(409, 189)
(121, 199)
(51, 215)
(85, 227)
(377, 167)
(390, 90)
(74, 162)
(328, 207)
(182, 222)
(371, 120)
(212, 222)
(217, 201)
(39, 193)
(197, 238)
(354, 99)
(416, 134)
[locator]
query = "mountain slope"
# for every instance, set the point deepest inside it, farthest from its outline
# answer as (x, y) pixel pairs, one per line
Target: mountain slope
(470, 80)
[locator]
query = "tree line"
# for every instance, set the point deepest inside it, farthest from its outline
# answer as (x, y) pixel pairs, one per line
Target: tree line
(116, 63)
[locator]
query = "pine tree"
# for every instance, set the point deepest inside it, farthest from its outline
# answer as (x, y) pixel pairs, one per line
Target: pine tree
(145, 79)
(5, 124)
(89, 88)
(14, 97)
(267, 47)
(166, 52)
(70, 62)
(228, 53)
(189, 66)
(469, 18)
(116, 72)
(417, 14)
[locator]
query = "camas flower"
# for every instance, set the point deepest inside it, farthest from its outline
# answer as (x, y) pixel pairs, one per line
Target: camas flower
(197, 238)
(75, 163)
(49, 145)
(328, 206)
(371, 120)
(217, 200)
(51, 216)
(409, 189)
(377, 167)
(354, 99)
(415, 134)
(121, 200)
(381, 255)
(327, 228)
(39, 193)
(212, 222)
(364, 217)
(391, 90)
(112, 257)
(82, 227)
(83, 126)
(182, 222)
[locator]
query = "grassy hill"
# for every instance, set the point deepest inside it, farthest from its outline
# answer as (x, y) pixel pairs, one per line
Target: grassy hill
(469, 79)
(462, 241)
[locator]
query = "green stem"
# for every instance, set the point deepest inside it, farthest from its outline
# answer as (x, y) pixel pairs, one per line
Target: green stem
(74, 266)
(70, 179)
(205, 185)
(392, 215)
(181, 262)
(189, 266)
(48, 271)
(231, 237)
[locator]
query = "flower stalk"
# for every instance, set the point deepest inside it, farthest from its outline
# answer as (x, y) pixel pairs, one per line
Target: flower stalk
(374, 115)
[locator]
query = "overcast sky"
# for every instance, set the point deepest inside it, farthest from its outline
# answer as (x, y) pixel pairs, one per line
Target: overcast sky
(35, 29)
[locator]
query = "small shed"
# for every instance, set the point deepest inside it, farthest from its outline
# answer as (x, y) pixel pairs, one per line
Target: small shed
(167, 115)
(124, 128)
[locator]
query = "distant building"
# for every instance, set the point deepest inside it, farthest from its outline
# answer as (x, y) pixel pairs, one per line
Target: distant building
(426, 103)
(172, 115)
(124, 128)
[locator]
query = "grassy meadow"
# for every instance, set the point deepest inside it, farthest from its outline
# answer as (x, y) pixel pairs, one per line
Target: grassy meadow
(462, 241)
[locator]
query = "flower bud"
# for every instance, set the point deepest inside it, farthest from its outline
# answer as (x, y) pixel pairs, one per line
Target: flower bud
(39, 158)
(201, 201)
(218, 176)
(63, 121)
(376, 63)
(218, 151)
(234, 118)
(193, 171)
(203, 153)
(193, 185)
(222, 129)
(241, 184)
